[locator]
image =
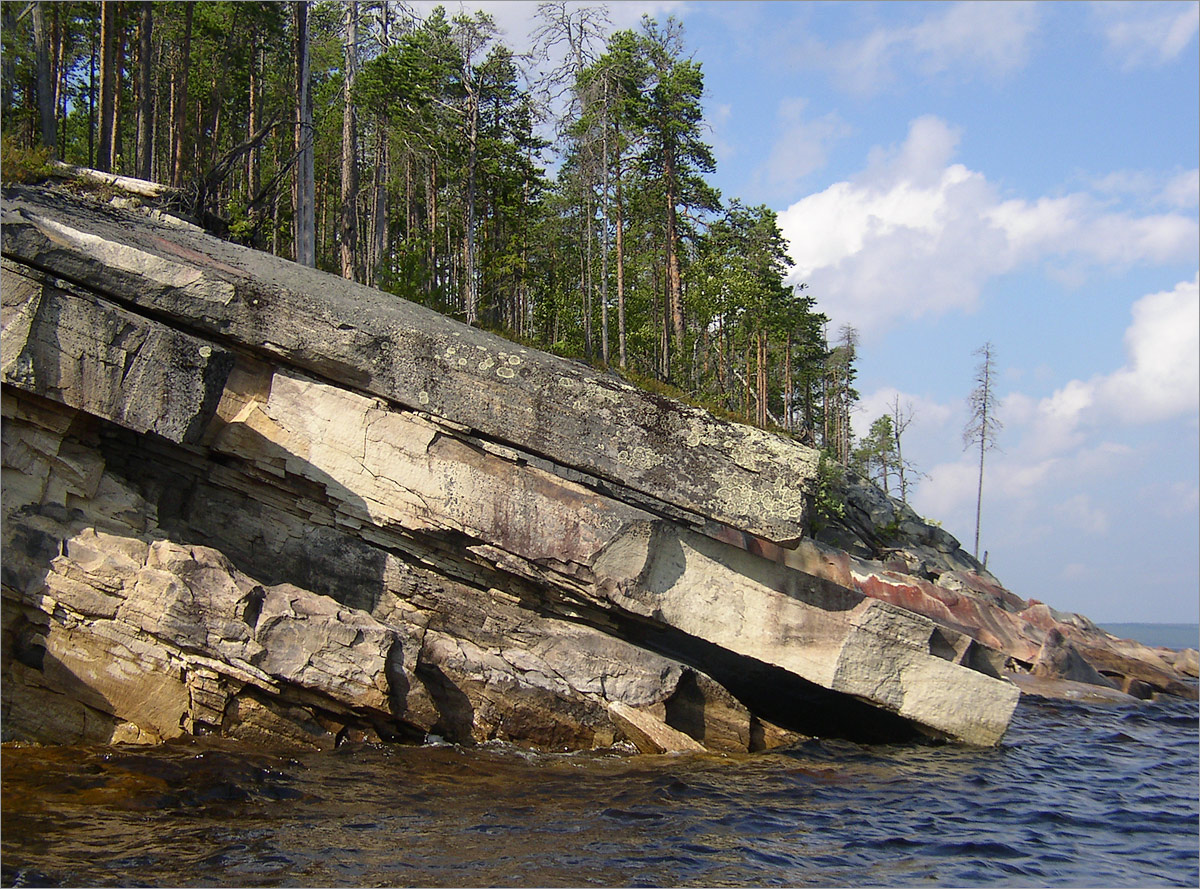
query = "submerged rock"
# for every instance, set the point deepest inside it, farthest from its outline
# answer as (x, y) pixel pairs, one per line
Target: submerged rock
(247, 498)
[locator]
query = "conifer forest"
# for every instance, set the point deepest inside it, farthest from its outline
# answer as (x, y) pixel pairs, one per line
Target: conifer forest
(557, 197)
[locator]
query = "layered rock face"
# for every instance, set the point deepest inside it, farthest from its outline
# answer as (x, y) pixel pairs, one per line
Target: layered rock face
(245, 497)
(884, 549)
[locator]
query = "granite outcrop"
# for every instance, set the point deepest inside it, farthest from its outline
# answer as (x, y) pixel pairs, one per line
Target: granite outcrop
(881, 547)
(248, 498)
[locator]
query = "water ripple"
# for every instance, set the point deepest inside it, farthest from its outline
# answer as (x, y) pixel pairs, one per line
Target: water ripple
(1076, 795)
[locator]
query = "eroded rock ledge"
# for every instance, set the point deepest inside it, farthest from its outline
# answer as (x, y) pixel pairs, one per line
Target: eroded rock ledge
(882, 548)
(244, 497)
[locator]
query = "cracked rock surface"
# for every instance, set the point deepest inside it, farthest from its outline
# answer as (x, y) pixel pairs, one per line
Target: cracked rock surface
(244, 497)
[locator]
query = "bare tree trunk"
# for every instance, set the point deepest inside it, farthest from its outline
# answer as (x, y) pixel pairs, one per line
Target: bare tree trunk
(275, 223)
(471, 285)
(762, 379)
(620, 223)
(116, 153)
(432, 224)
(788, 422)
(8, 65)
(92, 102)
(379, 216)
(145, 125)
(305, 197)
(349, 216)
(674, 278)
(179, 99)
(604, 244)
(585, 282)
(432, 205)
(664, 328)
(45, 80)
(253, 122)
(408, 195)
(108, 29)
(58, 73)
(749, 372)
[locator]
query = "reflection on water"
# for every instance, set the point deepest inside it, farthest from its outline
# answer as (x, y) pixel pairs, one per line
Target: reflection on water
(1075, 796)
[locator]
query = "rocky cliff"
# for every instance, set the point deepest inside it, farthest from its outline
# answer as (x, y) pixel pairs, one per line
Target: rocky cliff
(245, 497)
(884, 549)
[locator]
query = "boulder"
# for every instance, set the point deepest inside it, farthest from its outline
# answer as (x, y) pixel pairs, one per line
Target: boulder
(1186, 662)
(1058, 659)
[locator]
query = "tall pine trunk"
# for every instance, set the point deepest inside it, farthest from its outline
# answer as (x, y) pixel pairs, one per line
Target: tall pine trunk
(108, 83)
(117, 150)
(379, 209)
(253, 121)
(145, 113)
(305, 187)
(620, 233)
(348, 234)
(604, 243)
(179, 101)
(45, 79)
(58, 72)
(471, 286)
(674, 279)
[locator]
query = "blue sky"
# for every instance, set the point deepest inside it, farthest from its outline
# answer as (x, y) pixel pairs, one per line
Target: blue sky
(1019, 173)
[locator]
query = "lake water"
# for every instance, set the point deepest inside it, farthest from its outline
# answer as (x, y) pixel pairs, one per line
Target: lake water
(1077, 795)
(1170, 635)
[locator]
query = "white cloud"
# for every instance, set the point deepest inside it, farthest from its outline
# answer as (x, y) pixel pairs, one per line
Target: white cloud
(961, 38)
(1077, 224)
(924, 412)
(718, 118)
(1075, 571)
(517, 19)
(947, 489)
(1181, 499)
(1142, 34)
(802, 145)
(1183, 191)
(1080, 512)
(915, 234)
(1160, 379)
(994, 36)
(1016, 478)
(1180, 191)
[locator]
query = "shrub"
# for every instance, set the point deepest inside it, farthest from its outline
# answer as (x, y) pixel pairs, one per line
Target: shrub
(23, 165)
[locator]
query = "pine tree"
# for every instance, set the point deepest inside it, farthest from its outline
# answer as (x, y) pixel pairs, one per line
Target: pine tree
(45, 89)
(983, 426)
(304, 199)
(348, 236)
(875, 457)
(674, 160)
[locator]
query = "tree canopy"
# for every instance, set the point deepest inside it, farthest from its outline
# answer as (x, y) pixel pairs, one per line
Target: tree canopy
(569, 210)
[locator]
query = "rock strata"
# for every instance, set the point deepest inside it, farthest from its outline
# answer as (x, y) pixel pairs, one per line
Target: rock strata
(885, 550)
(247, 498)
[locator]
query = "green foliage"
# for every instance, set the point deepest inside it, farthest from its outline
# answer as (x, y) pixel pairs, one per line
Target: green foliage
(890, 531)
(23, 165)
(875, 457)
(625, 256)
(828, 505)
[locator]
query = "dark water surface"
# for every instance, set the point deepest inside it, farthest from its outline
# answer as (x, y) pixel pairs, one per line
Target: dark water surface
(1169, 635)
(1076, 796)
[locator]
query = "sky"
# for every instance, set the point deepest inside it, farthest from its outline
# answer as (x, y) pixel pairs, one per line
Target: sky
(1024, 174)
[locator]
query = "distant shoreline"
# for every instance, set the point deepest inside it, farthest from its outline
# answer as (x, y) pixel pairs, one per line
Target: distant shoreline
(1157, 634)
